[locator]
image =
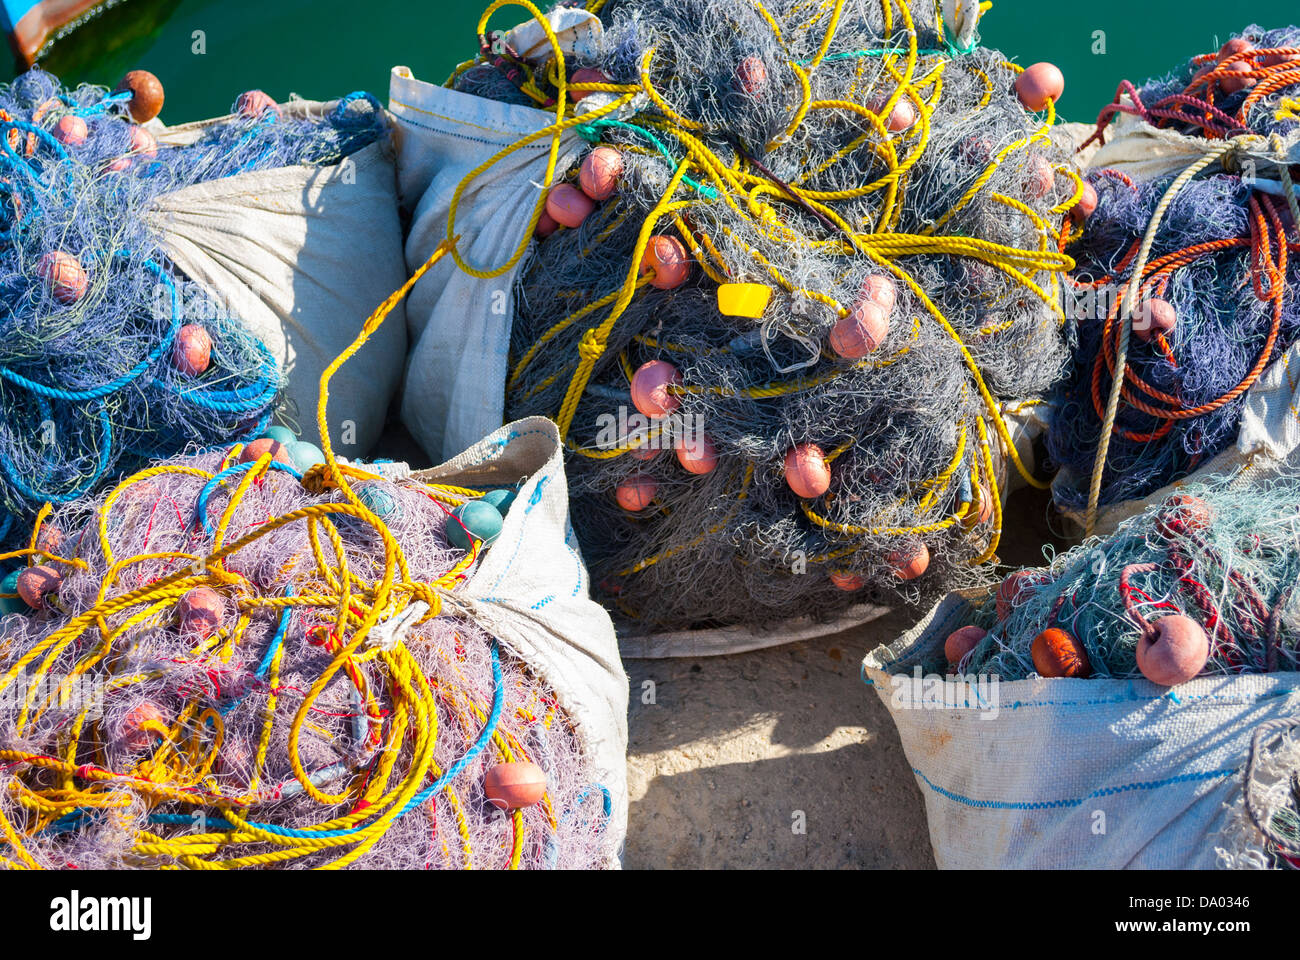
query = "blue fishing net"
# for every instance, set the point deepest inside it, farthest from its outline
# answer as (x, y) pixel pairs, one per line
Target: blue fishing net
(1222, 257)
(90, 308)
(1224, 557)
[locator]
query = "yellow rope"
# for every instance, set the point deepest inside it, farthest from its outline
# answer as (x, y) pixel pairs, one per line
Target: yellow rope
(179, 768)
(741, 188)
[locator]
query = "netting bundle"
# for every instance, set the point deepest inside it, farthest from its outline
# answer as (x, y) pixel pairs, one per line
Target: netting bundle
(1202, 584)
(1217, 288)
(1153, 675)
(223, 662)
(777, 308)
(109, 355)
(1247, 86)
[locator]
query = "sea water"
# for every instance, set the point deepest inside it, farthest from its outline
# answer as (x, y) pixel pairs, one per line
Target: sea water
(207, 51)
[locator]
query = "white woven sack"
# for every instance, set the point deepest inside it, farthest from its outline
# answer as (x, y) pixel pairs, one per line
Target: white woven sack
(531, 592)
(1065, 773)
(302, 254)
(454, 390)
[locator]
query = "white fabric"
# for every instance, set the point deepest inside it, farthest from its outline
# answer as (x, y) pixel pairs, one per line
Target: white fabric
(302, 255)
(578, 31)
(460, 325)
(961, 21)
(1034, 784)
(531, 592)
(1144, 152)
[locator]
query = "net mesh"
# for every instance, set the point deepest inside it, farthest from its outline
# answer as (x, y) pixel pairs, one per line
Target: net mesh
(272, 722)
(92, 315)
(807, 148)
(1222, 258)
(1225, 560)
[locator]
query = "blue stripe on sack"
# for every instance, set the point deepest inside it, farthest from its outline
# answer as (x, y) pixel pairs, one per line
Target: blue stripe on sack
(502, 443)
(1185, 698)
(536, 498)
(1077, 801)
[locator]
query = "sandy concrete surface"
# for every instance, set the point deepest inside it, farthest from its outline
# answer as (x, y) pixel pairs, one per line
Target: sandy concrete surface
(732, 749)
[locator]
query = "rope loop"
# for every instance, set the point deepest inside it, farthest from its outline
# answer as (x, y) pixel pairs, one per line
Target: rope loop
(591, 347)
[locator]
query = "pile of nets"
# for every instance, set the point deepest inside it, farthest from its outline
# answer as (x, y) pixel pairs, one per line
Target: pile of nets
(1217, 289)
(224, 662)
(108, 355)
(1201, 584)
(779, 307)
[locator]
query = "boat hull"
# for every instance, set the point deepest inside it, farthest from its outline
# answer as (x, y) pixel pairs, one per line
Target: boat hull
(29, 23)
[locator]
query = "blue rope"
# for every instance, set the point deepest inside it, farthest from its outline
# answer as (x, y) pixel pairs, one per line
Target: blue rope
(105, 449)
(340, 117)
(55, 393)
(278, 640)
(11, 159)
(606, 804)
(257, 395)
(240, 399)
(101, 107)
(590, 132)
(211, 486)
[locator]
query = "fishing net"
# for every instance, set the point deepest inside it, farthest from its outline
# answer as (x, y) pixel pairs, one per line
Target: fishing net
(1220, 262)
(1209, 567)
(226, 662)
(787, 169)
(109, 356)
(139, 732)
(1182, 633)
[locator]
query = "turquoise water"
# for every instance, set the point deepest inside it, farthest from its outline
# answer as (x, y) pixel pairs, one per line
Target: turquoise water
(323, 48)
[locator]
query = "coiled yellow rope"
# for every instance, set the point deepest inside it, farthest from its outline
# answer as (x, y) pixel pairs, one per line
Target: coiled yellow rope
(757, 201)
(178, 770)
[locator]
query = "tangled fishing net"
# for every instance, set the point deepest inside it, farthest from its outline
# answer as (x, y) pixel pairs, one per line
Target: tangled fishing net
(779, 348)
(107, 357)
(1217, 287)
(1202, 584)
(226, 662)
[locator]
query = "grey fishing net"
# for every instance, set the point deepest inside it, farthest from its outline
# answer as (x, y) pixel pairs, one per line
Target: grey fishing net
(778, 308)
